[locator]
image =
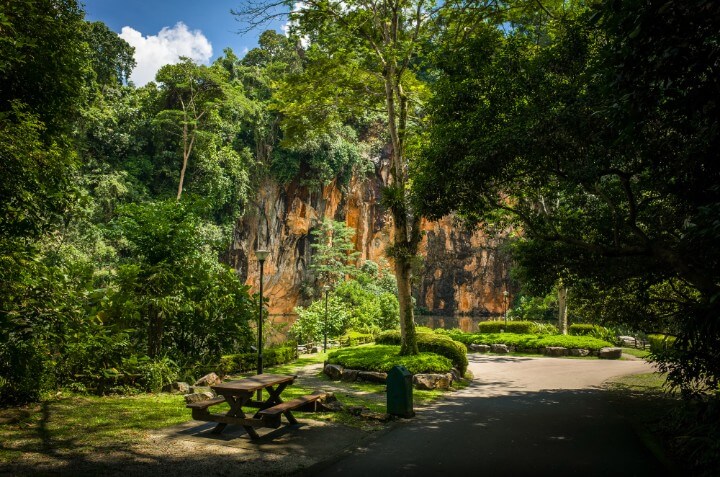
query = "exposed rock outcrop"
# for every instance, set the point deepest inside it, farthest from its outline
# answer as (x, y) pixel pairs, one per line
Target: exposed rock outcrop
(463, 272)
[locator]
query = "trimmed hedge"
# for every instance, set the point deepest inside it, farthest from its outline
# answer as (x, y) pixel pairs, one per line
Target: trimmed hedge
(580, 329)
(234, 363)
(529, 341)
(433, 343)
(511, 327)
(382, 358)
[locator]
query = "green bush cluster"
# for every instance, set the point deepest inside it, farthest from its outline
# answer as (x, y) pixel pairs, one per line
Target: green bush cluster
(382, 358)
(509, 327)
(581, 329)
(660, 343)
(234, 363)
(354, 338)
(530, 341)
(440, 344)
(596, 331)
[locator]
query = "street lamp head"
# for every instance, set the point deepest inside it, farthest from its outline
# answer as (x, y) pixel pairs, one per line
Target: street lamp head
(261, 254)
(326, 288)
(505, 293)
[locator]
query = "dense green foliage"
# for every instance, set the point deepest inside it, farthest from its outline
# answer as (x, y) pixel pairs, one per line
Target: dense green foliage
(273, 356)
(532, 341)
(366, 304)
(445, 346)
(382, 358)
(603, 148)
(511, 327)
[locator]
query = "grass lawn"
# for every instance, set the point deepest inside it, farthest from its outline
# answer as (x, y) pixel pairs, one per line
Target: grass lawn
(81, 424)
(77, 425)
(640, 353)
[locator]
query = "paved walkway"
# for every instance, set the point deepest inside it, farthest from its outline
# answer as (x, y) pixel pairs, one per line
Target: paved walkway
(519, 417)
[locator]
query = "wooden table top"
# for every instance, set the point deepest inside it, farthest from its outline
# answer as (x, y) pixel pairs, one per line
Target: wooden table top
(253, 383)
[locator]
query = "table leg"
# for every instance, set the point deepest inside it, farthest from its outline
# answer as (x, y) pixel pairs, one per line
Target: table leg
(236, 404)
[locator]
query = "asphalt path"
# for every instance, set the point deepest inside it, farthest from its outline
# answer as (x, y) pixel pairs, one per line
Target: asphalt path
(519, 417)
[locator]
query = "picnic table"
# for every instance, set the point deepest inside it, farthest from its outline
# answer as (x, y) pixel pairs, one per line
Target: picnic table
(239, 394)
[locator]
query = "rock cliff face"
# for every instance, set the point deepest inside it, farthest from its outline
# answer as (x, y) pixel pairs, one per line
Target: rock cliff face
(463, 272)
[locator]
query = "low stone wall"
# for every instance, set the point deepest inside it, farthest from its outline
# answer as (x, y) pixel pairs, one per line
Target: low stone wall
(553, 351)
(420, 381)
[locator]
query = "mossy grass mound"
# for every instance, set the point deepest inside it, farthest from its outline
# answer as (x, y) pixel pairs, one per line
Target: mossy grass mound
(431, 342)
(383, 357)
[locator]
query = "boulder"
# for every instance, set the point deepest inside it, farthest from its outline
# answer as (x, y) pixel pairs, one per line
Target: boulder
(499, 348)
(177, 387)
(333, 371)
(199, 389)
(372, 377)
(197, 397)
(432, 381)
(456, 375)
(610, 353)
(627, 340)
(315, 349)
(349, 375)
(480, 348)
(556, 351)
(210, 379)
(579, 352)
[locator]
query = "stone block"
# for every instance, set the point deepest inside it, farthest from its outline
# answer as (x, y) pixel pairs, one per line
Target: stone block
(177, 387)
(579, 352)
(556, 351)
(199, 389)
(499, 348)
(432, 381)
(349, 375)
(372, 377)
(610, 353)
(210, 379)
(197, 397)
(333, 371)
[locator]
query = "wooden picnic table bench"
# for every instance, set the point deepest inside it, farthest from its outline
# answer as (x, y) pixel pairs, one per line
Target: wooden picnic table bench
(239, 394)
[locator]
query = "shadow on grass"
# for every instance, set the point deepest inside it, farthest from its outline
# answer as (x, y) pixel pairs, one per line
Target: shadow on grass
(568, 432)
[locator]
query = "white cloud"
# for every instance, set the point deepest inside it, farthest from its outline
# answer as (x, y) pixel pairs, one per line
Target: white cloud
(154, 51)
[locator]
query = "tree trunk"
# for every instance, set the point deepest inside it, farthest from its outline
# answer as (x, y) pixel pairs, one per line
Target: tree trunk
(562, 309)
(155, 331)
(407, 236)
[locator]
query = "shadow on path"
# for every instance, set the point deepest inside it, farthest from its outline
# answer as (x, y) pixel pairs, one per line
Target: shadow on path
(556, 433)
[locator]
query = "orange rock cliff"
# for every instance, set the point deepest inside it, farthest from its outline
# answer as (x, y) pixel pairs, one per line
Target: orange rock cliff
(463, 271)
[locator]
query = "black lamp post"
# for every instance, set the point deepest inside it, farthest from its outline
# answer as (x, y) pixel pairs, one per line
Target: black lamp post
(505, 304)
(326, 289)
(261, 256)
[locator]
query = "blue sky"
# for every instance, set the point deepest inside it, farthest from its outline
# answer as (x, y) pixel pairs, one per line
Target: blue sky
(163, 30)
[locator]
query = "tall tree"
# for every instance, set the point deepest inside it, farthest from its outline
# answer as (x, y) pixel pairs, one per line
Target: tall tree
(191, 92)
(366, 55)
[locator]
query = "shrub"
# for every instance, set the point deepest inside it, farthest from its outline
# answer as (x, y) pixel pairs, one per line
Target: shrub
(354, 338)
(581, 329)
(233, 363)
(538, 341)
(660, 343)
(382, 358)
(440, 344)
(510, 327)
(596, 331)
(544, 329)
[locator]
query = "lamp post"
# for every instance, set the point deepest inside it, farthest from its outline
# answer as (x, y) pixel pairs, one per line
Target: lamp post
(261, 256)
(326, 289)
(505, 300)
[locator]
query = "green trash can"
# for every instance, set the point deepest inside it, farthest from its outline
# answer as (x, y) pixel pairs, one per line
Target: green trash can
(400, 392)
